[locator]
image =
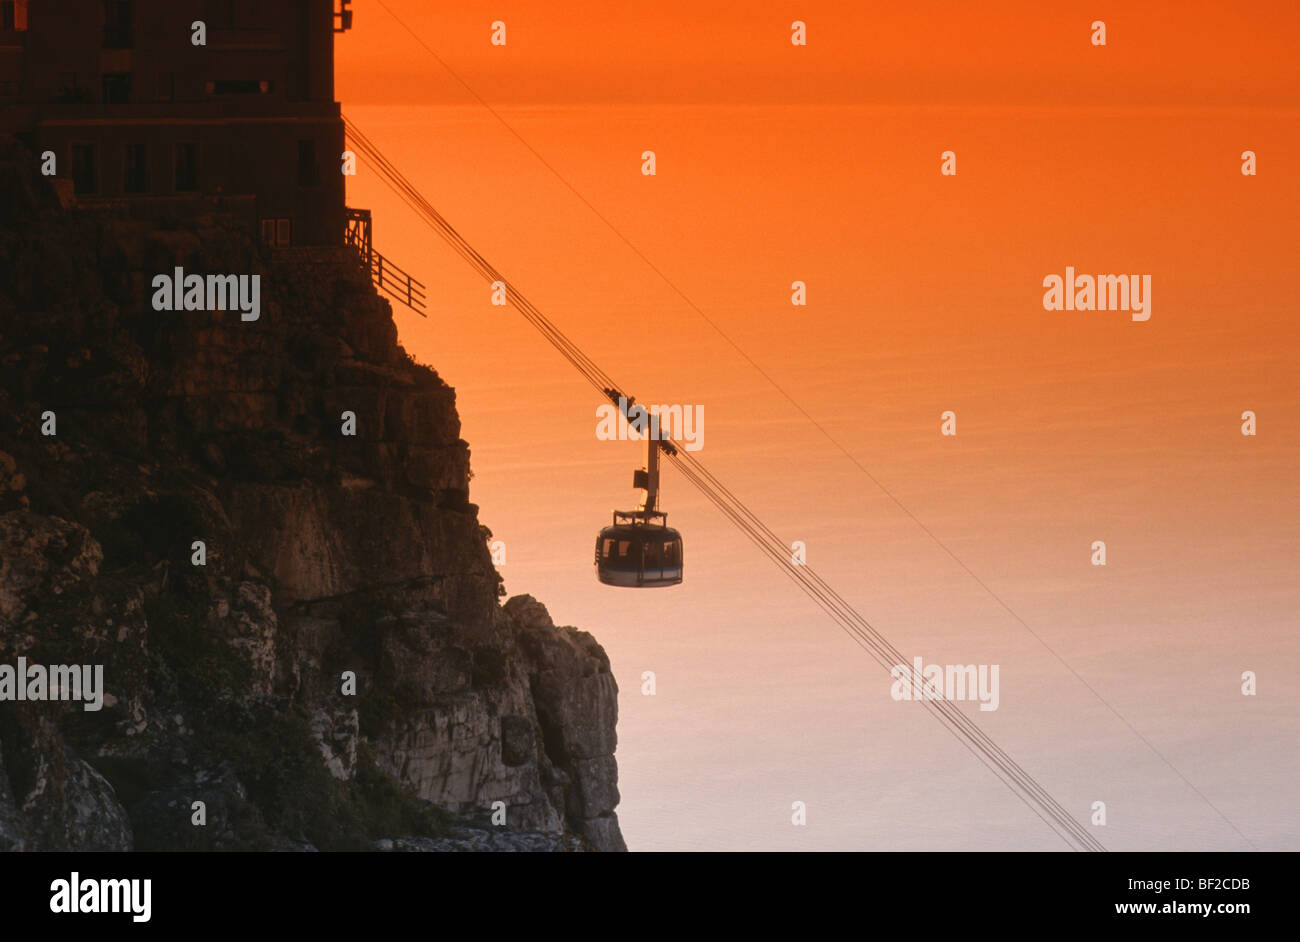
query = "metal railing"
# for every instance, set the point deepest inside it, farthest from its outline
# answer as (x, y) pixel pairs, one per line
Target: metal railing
(387, 276)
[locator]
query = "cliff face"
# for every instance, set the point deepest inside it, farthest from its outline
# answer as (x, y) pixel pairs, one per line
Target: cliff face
(328, 556)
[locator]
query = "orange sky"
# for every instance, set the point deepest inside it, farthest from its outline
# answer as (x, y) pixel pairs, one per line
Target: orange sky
(1157, 53)
(821, 164)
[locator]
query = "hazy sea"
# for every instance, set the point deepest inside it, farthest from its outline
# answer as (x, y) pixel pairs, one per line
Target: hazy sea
(1066, 435)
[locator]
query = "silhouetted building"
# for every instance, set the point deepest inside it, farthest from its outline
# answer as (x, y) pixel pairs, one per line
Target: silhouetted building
(135, 112)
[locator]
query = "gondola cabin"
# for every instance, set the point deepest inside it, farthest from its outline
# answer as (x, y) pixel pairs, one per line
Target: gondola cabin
(639, 550)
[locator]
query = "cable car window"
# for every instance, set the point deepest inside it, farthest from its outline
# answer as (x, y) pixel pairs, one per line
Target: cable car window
(608, 550)
(623, 547)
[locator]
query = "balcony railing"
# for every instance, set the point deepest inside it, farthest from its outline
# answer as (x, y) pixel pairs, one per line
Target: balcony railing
(386, 275)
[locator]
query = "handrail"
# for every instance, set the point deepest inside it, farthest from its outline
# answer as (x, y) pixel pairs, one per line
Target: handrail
(387, 276)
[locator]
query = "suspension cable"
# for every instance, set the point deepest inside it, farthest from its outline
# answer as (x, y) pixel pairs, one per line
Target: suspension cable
(845, 615)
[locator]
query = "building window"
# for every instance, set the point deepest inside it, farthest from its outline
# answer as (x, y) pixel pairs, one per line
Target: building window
(187, 167)
(277, 231)
(308, 168)
(136, 169)
(84, 177)
(117, 24)
(239, 87)
(117, 88)
(13, 15)
(69, 92)
(220, 13)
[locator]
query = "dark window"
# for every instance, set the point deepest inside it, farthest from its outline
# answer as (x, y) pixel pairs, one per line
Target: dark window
(68, 92)
(117, 24)
(83, 168)
(220, 13)
(308, 169)
(136, 169)
(187, 167)
(239, 87)
(276, 231)
(117, 88)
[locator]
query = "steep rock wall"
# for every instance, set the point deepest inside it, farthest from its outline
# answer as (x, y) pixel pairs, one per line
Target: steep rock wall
(325, 554)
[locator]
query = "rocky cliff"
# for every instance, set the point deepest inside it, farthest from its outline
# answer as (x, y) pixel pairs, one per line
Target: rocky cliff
(338, 671)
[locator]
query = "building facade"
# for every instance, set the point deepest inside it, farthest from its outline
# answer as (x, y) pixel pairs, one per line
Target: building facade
(167, 106)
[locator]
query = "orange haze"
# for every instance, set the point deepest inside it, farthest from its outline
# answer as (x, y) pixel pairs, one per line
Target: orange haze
(821, 164)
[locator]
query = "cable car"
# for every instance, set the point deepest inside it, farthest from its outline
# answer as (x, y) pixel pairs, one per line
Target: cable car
(639, 550)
